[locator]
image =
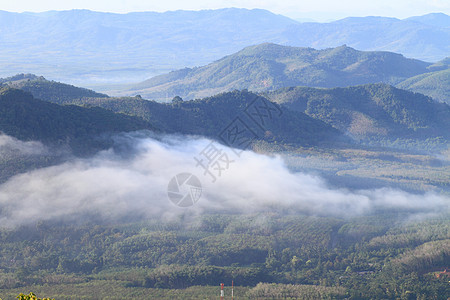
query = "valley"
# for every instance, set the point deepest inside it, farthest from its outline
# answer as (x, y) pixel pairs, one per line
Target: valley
(156, 155)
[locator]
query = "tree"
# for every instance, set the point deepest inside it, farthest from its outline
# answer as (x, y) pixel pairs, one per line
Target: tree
(31, 296)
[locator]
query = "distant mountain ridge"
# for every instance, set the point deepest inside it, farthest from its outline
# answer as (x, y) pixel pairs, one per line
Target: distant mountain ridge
(52, 91)
(420, 37)
(433, 19)
(79, 46)
(368, 112)
(373, 110)
(271, 66)
(435, 84)
(26, 118)
(212, 115)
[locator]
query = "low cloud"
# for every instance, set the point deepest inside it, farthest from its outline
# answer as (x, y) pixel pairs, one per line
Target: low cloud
(11, 145)
(130, 181)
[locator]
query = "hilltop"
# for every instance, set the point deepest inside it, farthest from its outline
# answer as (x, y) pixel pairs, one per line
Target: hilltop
(27, 118)
(212, 115)
(52, 91)
(370, 111)
(269, 66)
(435, 84)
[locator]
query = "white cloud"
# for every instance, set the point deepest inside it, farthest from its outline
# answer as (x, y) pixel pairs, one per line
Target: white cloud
(11, 145)
(118, 185)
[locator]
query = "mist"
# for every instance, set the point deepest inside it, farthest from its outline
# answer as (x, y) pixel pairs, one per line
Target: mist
(130, 181)
(10, 145)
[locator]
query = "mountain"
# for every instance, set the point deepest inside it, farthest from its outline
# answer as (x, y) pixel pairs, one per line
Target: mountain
(435, 84)
(270, 66)
(411, 38)
(86, 47)
(27, 118)
(370, 111)
(52, 91)
(433, 19)
(213, 116)
(86, 130)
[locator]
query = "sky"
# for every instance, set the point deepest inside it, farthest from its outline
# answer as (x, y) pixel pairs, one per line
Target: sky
(320, 10)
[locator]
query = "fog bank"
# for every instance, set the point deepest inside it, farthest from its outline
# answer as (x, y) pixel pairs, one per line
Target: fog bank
(131, 179)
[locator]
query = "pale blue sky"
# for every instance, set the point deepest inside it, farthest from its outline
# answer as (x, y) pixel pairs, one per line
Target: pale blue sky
(317, 9)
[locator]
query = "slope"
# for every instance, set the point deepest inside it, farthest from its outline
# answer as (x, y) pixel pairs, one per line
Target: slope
(270, 66)
(52, 91)
(88, 46)
(374, 110)
(435, 84)
(417, 39)
(92, 47)
(433, 19)
(26, 118)
(215, 116)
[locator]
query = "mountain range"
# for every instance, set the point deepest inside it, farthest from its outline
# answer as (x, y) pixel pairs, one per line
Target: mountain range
(26, 118)
(87, 47)
(373, 110)
(51, 91)
(270, 66)
(80, 126)
(365, 112)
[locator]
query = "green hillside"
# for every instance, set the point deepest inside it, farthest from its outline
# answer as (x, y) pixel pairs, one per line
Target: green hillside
(47, 90)
(270, 66)
(211, 116)
(440, 65)
(434, 84)
(374, 110)
(384, 256)
(27, 118)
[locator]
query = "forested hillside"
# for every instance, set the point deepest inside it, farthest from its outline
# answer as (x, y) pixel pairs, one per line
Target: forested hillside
(26, 118)
(434, 84)
(51, 91)
(371, 257)
(270, 66)
(374, 110)
(211, 116)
